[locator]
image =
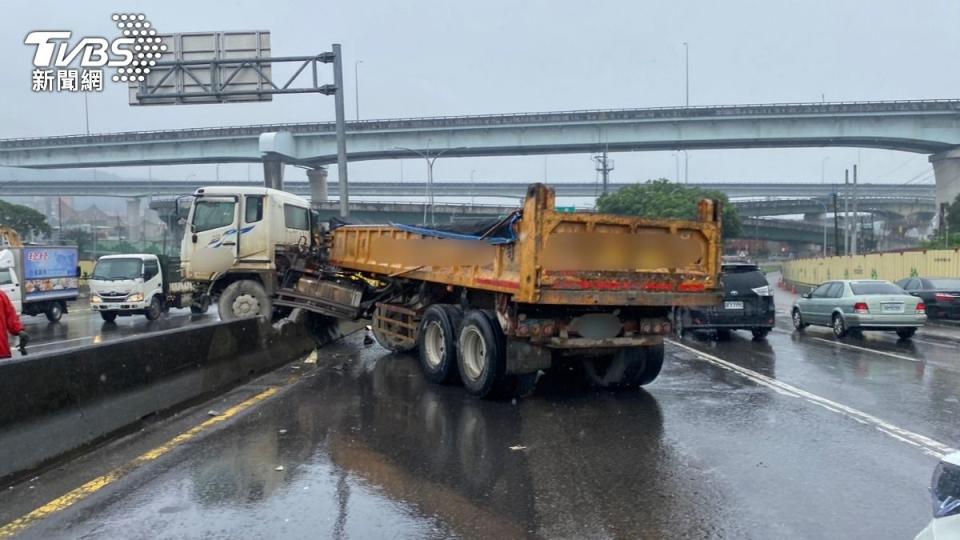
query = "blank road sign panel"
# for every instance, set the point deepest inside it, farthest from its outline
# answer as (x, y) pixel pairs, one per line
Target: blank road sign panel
(197, 67)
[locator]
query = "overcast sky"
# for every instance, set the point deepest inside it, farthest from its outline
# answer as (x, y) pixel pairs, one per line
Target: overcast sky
(426, 58)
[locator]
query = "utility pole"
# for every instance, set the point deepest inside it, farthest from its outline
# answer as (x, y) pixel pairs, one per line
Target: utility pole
(356, 86)
(836, 225)
(604, 166)
(856, 222)
(86, 112)
(341, 132)
(846, 211)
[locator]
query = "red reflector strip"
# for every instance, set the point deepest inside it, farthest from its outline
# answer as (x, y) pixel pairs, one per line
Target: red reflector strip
(658, 286)
(692, 287)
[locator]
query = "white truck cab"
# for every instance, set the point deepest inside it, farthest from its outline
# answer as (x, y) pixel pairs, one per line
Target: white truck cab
(229, 250)
(9, 280)
(127, 284)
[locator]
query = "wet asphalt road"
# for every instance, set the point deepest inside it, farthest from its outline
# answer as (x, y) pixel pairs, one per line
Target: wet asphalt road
(81, 326)
(792, 437)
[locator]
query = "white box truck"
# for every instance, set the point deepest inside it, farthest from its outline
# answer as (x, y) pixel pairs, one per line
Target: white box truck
(40, 279)
(140, 284)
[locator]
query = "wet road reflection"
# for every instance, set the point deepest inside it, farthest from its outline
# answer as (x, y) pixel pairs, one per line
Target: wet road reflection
(362, 447)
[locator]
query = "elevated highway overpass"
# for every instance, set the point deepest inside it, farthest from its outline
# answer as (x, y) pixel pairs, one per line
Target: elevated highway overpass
(734, 190)
(930, 127)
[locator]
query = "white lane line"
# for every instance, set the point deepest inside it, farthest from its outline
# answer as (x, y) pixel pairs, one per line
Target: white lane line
(865, 349)
(52, 343)
(930, 446)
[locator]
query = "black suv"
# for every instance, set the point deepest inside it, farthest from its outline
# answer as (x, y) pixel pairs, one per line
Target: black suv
(747, 305)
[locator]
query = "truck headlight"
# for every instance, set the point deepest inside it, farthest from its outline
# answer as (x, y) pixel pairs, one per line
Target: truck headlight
(135, 297)
(945, 490)
(95, 299)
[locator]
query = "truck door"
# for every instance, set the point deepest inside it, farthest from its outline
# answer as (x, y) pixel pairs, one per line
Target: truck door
(210, 243)
(10, 285)
(254, 247)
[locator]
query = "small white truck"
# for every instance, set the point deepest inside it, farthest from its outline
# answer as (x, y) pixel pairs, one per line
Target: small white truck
(139, 284)
(40, 279)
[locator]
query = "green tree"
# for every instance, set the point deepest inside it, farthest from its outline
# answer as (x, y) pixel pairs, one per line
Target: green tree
(23, 219)
(664, 199)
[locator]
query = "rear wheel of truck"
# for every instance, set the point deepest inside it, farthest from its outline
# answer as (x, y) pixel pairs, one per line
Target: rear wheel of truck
(437, 342)
(154, 310)
(54, 312)
(627, 368)
(480, 357)
(242, 299)
(201, 307)
(108, 316)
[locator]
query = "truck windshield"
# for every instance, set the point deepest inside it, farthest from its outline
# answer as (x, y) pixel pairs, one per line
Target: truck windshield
(209, 215)
(5, 278)
(113, 269)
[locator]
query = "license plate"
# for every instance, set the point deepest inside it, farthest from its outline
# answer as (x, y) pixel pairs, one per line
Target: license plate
(893, 308)
(733, 305)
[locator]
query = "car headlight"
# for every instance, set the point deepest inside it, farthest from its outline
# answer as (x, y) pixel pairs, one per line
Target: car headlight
(945, 489)
(95, 299)
(763, 291)
(135, 297)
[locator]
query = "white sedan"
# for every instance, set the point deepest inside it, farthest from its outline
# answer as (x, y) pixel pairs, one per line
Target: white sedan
(945, 491)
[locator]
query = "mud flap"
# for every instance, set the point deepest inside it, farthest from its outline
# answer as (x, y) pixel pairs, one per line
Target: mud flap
(525, 357)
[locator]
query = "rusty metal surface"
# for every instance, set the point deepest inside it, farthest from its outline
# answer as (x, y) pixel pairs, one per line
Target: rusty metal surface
(519, 268)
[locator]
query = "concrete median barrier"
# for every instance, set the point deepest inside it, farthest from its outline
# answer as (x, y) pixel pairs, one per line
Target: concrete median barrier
(57, 402)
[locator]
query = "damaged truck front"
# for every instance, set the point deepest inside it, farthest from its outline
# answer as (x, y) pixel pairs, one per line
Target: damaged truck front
(493, 306)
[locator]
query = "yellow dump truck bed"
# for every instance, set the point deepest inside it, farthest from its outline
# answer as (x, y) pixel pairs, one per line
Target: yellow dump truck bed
(574, 258)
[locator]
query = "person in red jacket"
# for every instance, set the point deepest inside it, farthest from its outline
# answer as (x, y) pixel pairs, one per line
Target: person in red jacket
(10, 323)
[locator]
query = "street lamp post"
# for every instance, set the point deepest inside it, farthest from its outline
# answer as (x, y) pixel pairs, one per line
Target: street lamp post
(356, 86)
(823, 162)
(676, 163)
(686, 63)
(430, 159)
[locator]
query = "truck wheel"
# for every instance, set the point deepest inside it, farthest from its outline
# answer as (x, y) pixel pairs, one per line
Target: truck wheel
(480, 354)
(108, 316)
(54, 312)
(202, 307)
(154, 310)
(627, 368)
(437, 341)
(242, 299)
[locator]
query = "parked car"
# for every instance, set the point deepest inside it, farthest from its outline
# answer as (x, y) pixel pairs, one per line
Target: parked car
(941, 295)
(945, 492)
(846, 305)
(747, 304)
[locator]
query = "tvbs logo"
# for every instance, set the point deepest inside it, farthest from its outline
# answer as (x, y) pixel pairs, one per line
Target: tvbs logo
(61, 66)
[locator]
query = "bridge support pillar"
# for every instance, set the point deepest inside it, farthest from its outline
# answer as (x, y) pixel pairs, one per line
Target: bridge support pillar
(318, 186)
(273, 173)
(134, 221)
(946, 172)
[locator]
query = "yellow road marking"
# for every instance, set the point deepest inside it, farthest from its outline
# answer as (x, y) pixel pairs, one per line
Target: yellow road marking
(91, 487)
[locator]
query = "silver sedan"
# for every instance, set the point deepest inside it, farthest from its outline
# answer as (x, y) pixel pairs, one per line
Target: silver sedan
(846, 305)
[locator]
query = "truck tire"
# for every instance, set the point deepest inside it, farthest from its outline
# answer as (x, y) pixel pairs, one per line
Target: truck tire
(54, 311)
(437, 342)
(480, 354)
(626, 368)
(202, 307)
(154, 310)
(108, 316)
(242, 299)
